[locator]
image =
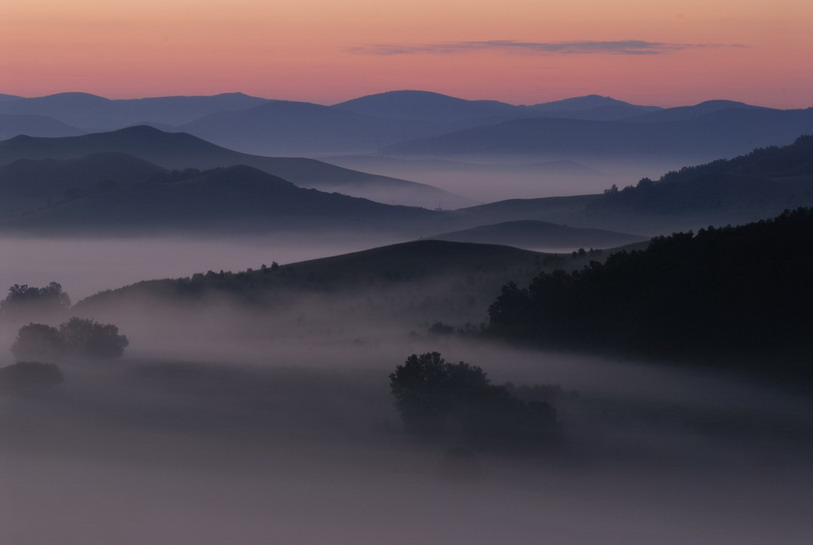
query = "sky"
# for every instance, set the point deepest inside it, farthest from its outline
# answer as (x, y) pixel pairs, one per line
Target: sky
(660, 52)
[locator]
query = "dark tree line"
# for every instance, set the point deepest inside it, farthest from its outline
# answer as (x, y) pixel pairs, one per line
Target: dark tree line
(731, 290)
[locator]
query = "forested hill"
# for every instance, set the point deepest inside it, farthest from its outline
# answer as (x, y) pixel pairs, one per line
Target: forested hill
(767, 179)
(724, 291)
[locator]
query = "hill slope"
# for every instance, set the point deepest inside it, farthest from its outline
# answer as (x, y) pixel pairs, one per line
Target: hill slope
(768, 179)
(181, 150)
(284, 128)
(94, 112)
(29, 184)
(34, 125)
(234, 198)
(720, 133)
(541, 235)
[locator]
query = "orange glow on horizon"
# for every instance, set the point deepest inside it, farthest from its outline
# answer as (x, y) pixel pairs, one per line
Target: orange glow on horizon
(757, 51)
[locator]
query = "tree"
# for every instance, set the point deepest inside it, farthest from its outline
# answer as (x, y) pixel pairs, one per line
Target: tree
(88, 338)
(30, 301)
(38, 341)
(438, 398)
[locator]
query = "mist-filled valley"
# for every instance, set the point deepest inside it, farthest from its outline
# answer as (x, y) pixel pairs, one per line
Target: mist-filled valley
(272, 418)
(404, 318)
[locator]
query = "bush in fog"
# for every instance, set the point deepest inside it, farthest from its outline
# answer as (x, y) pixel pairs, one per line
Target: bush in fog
(28, 301)
(90, 339)
(438, 398)
(27, 375)
(76, 338)
(39, 342)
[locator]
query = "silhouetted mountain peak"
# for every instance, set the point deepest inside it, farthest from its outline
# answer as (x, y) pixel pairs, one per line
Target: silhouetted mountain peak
(245, 174)
(424, 104)
(137, 131)
(719, 104)
(586, 101)
(74, 96)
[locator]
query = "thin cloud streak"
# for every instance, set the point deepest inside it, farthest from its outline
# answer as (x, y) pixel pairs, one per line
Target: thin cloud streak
(622, 47)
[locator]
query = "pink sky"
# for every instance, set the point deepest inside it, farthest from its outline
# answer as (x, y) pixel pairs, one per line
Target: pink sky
(660, 52)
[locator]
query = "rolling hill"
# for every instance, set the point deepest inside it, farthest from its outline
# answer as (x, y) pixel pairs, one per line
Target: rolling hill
(34, 125)
(98, 113)
(425, 105)
(180, 150)
(29, 184)
(590, 107)
(719, 133)
(238, 198)
(767, 180)
(284, 128)
(541, 236)
(747, 188)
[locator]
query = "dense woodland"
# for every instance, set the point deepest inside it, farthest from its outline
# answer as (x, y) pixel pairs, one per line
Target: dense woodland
(733, 290)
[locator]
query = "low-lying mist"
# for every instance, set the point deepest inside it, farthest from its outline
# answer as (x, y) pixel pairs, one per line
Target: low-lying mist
(232, 423)
(513, 179)
(85, 266)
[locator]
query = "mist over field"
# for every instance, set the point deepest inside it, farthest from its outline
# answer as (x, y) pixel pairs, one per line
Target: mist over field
(507, 178)
(224, 421)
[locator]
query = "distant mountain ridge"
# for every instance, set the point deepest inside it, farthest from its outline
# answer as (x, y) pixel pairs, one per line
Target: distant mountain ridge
(34, 125)
(411, 122)
(707, 135)
(92, 112)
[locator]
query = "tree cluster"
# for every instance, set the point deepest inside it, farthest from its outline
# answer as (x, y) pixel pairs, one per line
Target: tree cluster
(77, 338)
(729, 290)
(436, 398)
(24, 301)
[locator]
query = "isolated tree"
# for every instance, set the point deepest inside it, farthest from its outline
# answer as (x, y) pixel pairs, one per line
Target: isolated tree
(90, 339)
(426, 388)
(38, 342)
(435, 397)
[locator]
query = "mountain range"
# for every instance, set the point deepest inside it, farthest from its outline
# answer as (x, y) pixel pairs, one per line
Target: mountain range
(700, 133)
